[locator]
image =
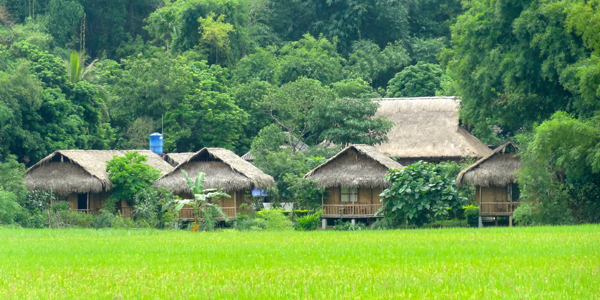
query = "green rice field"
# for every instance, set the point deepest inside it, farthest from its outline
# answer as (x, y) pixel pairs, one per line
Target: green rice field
(490, 263)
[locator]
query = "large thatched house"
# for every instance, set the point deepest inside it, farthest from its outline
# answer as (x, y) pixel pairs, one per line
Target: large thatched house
(427, 128)
(354, 178)
(223, 170)
(80, 177)
(495, 179)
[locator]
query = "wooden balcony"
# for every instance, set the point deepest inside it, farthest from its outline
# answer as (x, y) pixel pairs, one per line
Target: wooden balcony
(350, 210)
(187, 213)
(497, 209)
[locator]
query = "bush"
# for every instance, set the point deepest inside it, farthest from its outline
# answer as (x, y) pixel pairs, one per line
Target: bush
(103, 220)
(77, 219)
(384, 224)
(421, 193)
(340, 225)
(472, 215)
(9, 208)
(122, 223)
(308, 222)
(130, 175)
(37, 200)
(274, 219)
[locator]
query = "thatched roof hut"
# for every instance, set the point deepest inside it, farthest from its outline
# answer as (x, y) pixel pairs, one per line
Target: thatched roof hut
(177, 158)
(80, 171)
(427, 128)
(223, 169)
(359, 166)
(500, 168)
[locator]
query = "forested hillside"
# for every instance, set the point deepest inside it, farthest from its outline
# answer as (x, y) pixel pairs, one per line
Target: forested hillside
(242, 74)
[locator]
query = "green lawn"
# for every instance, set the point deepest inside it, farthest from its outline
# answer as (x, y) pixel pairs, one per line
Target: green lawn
(462, 263)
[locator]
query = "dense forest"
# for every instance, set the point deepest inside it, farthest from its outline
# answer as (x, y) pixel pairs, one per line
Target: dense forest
(255, 74)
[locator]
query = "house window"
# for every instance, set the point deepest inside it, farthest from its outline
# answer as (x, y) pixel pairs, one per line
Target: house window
(349, 194)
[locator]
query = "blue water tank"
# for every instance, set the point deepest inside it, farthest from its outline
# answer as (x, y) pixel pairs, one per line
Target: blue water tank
(156, 143)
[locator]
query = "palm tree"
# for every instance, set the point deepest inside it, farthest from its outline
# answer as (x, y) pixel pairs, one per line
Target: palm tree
(77, 71)
(200, 202)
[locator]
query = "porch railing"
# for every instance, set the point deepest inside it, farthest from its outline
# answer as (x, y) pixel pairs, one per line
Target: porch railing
(497, 208)
(350, 210)
(187, 213)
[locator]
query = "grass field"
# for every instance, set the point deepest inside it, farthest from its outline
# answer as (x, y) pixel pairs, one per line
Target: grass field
(491, 263)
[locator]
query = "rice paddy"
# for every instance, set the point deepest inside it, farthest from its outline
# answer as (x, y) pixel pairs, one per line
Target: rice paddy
(491, 263)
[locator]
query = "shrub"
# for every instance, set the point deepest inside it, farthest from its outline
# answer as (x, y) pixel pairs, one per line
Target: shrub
(472, 215)
(9, 208)
(77, 219)
(130, 175)
(384, 224)
(274, 219)
(421, 193)
(308, 222)
(122, 223)
(340, 225)
(103, 220)
(37, 200)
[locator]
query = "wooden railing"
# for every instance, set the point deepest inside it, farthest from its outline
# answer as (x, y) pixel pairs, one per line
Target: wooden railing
(87, 211)
(350, 210)
(497, 208)
(187, 213)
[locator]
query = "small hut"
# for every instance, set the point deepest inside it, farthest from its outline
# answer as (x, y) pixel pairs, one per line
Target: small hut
(495, 179)
(354, 178)
(80, 177)
(223, 170)
(428, 129)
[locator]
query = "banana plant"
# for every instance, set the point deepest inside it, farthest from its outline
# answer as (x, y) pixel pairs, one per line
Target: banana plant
(201, 203)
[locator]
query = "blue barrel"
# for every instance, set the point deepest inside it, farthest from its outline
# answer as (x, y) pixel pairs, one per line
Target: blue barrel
(156, 143)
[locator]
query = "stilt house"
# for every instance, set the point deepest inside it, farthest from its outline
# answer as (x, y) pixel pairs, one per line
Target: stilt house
(223, 170)
(495, 180)
(354, 178)
(80, 177)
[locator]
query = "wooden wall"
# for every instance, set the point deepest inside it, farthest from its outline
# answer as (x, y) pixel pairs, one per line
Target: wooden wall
(365, 195)
(96, 200)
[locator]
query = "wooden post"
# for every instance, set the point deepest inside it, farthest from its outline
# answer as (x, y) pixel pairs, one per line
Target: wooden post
(496, 221)
(510, 221)
(88, 202)
(235, 203)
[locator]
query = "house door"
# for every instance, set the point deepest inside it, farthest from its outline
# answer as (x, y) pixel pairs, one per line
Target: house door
(82, 202)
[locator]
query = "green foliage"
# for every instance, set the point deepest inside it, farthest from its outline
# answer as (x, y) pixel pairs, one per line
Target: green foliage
(472, 215)
(560, 180)
(11, 178)
(130, 175)
(215, 32)
(158, 208)
(420, 193)
(374, 65)
(420, 80)
(122, 223)
(304, 192)
(340, 225)
(202, 207)
(9, 208)
(103, 220)
(385, 224)
(514, 63)
(274, 219)
(308, 222)
(77, 219)
(64, 18)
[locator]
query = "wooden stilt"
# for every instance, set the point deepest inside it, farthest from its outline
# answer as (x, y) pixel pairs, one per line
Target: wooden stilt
(509, 221)
(235, 203)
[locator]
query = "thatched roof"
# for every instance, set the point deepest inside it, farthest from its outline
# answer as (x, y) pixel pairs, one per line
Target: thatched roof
(81, 171)
(177, 158)
(223, 169)
(248, 157)
(354, 166)
(427, 127)
(497, 169)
